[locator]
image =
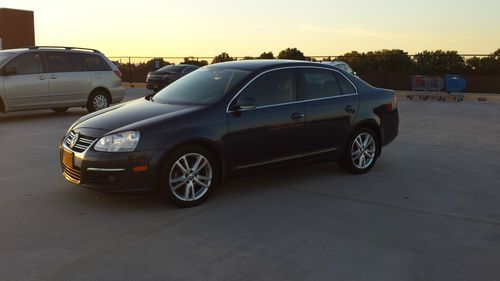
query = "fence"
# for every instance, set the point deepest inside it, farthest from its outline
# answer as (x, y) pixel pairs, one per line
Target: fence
(135, 69)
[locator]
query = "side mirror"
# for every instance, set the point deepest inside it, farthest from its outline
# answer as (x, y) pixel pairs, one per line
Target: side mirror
(244, 103)
(10, 71)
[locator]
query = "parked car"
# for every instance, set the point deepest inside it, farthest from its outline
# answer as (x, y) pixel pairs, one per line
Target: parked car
(57, 78)
(159, 79)
(340, 64)
(226, 118)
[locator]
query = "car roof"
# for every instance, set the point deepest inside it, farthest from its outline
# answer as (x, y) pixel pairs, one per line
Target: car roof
(26, 50)
(254, 65)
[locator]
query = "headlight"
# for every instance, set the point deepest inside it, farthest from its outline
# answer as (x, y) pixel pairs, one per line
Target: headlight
(119, 142)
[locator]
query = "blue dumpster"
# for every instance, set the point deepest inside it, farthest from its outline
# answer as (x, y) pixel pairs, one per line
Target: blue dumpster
(455, 83)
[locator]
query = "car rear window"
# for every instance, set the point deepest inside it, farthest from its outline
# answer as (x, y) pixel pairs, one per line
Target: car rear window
(172, 68)
(204, 86)
(95, 63)
(63, 62)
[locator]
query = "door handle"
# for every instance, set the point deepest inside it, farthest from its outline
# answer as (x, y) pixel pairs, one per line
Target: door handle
(297, 116)
(350, 109)
(53, 76)
(42, 77)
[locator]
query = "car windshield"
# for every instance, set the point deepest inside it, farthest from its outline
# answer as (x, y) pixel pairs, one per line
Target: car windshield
(203, 86)
(5, 56)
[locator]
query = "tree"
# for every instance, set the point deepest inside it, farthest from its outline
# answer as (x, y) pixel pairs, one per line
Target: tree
(485, 65)
(222, 58)
(193, 61)
(248, 58)
(439, 63)
(383, 61)
(291, 54)
(266, 56)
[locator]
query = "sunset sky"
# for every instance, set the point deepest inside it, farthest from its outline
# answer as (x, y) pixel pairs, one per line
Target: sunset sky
(250, 27)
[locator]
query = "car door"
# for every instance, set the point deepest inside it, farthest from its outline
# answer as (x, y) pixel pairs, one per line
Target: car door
(331, 103)
(271, 132)
(69, 83)
(25, 83)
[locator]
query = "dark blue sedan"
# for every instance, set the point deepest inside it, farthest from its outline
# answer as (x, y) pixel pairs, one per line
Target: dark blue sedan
(226, 118)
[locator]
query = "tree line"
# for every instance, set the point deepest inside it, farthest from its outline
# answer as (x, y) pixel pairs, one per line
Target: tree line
(383, 61)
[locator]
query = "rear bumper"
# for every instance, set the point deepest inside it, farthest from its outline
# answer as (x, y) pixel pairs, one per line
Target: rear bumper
(389, 127)
(156, 85)
(117, 94)
(113, 172)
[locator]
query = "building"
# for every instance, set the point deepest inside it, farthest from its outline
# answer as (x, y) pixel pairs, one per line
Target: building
(17, 28)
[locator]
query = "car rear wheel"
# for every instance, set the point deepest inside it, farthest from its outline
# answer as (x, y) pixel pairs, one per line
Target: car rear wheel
(97, 100)
(60, 109)
(189, 176)
(361, 152)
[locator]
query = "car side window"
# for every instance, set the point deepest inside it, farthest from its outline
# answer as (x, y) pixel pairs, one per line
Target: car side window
(317, 83)
(272, 88)
(345, 85)
(30, 63)
(95, 63)
(63, 62)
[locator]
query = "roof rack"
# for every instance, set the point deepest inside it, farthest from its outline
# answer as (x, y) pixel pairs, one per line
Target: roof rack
(63, 47)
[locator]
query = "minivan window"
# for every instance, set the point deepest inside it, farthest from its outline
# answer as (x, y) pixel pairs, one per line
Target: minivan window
(4, 56)
(30, 63)
(63, 62)
(272, 88)
(345, 85)
(317, 83)
(95, 63)
(205, 86)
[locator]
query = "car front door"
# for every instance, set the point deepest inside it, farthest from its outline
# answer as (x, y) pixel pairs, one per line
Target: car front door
(273, 131)
(25, 83)
(69, 83)
(331, 102)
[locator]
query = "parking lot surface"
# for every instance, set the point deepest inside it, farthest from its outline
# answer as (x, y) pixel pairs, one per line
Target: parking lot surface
(429, 210)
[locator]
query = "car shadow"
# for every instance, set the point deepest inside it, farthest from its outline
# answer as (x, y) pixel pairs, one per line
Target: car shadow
(233, 189)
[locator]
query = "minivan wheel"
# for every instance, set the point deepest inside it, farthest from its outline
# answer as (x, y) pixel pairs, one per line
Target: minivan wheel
(60, 109)
(97, 100)
(189, 176)
(361, 152)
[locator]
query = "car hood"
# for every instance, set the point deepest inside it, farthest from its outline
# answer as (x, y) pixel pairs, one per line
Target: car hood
(127, 114)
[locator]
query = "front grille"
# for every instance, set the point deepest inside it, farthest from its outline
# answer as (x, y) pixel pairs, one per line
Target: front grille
(78, 143)
(72, 174)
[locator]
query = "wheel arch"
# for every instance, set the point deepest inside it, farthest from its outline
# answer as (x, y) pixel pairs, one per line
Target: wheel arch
(375, 127)
(103, 89)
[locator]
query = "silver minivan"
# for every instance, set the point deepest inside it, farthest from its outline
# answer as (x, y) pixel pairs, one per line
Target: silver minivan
(57, 78)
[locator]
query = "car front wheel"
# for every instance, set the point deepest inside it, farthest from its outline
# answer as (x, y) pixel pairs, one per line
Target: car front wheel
(189, 176)
(361, 152)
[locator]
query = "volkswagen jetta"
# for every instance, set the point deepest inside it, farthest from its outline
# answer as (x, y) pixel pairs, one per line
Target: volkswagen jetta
(226, 118)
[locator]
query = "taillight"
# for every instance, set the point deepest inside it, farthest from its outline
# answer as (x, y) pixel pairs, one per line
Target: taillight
(117, 73)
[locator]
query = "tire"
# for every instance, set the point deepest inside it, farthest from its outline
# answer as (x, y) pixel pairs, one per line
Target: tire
(60, 109)
(182, 184)
(98, 100)
(361, 152)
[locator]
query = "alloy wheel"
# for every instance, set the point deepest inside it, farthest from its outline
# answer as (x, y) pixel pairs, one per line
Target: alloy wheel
(100, 102)
(363, 151)
(190, 177)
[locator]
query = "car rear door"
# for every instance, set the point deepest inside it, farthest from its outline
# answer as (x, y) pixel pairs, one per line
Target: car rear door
(69, 82)
(331, 102)
(274, 130)
(27, 88)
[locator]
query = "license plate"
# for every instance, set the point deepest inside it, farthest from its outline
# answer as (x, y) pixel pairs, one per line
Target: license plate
(67, 158)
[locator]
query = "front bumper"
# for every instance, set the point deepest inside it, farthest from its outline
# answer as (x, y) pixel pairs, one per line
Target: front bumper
(111, 172)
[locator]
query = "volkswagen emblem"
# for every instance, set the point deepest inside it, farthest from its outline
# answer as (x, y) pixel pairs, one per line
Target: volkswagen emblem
(72, 143)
